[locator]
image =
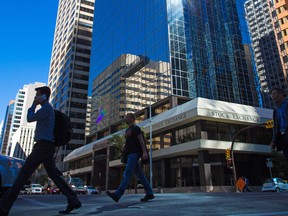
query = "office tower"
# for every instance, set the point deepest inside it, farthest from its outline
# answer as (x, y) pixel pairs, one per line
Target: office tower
(23, 101)
(6, 127)
(264, 43)
(278, 11)
(129, 84)
(200, 41)
(2, 128)
(88, 116)
(23, 141)
(69, 67)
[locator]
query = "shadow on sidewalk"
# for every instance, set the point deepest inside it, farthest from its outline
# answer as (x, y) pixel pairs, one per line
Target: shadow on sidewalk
(116, 206)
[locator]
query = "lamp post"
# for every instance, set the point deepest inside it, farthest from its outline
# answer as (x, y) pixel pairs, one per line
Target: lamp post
(268, 124)
(150, 135)
(269, 164)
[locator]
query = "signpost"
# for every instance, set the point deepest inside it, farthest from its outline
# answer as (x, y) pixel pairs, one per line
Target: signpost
(269, 164)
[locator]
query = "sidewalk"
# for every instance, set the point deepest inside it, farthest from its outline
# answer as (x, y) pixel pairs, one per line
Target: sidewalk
(167, 204)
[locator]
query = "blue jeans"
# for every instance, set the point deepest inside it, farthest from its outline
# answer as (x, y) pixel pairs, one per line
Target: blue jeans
(133, 167)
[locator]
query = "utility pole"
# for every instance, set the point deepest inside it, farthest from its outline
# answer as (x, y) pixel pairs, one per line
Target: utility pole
(268, 124)
(150, 134)
(269, 164)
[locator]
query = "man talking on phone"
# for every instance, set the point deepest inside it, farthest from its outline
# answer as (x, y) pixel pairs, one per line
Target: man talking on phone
(43, 152)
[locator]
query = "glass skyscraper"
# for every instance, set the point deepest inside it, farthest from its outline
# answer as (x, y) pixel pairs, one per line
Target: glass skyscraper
(217, 65)
(202, 42)
(264, 43)
(69, 68)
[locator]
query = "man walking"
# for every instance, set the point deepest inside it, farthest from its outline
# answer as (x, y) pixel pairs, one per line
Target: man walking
(280, 117)
(43, 152)
(135, 148)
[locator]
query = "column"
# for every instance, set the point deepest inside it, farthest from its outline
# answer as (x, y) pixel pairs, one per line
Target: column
(205, 171)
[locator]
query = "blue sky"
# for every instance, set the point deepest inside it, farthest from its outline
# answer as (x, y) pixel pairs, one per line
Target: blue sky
(27, 30)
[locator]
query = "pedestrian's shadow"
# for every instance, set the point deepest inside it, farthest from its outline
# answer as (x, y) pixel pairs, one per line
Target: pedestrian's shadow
(113, 207)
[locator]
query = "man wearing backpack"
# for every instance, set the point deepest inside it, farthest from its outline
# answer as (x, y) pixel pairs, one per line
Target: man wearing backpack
(43, 152)
(135, 149)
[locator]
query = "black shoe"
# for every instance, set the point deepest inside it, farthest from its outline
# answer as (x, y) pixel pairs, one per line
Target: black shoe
(147, 197)
(70, 208)
(4, 212)
(113, 196)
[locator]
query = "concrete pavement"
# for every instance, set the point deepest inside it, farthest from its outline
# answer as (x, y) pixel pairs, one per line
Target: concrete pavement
(233, 204)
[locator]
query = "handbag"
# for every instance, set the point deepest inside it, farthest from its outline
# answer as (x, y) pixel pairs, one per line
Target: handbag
(147, 160)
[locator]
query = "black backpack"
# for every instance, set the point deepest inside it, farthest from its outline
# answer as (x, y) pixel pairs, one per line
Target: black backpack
(63, 129)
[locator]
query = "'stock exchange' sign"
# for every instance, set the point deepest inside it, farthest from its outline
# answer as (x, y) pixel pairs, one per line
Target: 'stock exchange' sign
(235, 116)
(169, 121)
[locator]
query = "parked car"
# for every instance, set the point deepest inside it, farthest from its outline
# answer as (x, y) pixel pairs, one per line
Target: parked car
(9, 169)
(81, 190)
(55, 190)
(35, 189)
(76, 181)
(139, 185)
(274, 184)
(51, 190)
(78, 185)
(46, 189)
(91, 190)
(25, 189)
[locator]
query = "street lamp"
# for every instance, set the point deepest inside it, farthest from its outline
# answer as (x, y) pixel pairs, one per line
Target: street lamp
(268, 124)
(150, 135)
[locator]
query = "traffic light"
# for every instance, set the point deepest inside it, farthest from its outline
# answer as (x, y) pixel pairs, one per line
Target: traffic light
(228, 154)
(269, 124)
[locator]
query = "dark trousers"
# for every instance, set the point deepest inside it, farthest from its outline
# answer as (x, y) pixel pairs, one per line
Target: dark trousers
(43, 152)
(284, 145)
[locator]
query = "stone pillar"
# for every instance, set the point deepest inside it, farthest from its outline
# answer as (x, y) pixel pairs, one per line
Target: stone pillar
(205, 171)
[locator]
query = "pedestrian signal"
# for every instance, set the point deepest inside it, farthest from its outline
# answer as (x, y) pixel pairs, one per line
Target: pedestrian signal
(269, 124)
(228, 154)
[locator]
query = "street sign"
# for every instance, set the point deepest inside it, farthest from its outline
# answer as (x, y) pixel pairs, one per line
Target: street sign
(269, 163)
(240, 184)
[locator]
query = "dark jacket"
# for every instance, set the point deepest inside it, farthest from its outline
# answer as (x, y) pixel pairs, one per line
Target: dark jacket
(276, 133)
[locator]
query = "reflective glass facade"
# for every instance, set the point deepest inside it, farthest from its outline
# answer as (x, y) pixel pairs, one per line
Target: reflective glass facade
(264, 43)
(217, 61)
(128, 27)
(201, 41)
